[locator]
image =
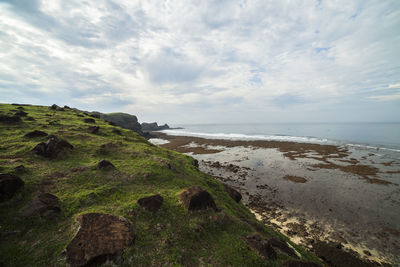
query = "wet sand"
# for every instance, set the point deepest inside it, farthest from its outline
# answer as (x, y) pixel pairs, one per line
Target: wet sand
(311, 192)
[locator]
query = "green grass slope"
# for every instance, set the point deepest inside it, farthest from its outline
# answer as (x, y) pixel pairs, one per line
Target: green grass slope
(172, 236)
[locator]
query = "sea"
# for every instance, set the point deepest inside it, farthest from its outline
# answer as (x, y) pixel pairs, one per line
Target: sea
(384, 136)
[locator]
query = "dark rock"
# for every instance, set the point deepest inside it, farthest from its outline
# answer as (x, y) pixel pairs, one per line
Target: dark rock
(235, 195)
(255, 242)
(95, 115)
(52, 147)
(334, 256)
(89, 120)
(94, 129)
(20, 169)
(123, 120)
(10, 119)
(112, 123)
(196, 163)
(153, 126)
(293, 263)
(151, 203)
(20, 107)
(66, 107)
(54, 107)
(116, 131)
(30, 118)
(105, 164)
(10, 184)
(35, 133)
(79, 115)
(21, 113)
(196, 198)
(282, 246)
(44, 205)
(101, 237)
(61, 109)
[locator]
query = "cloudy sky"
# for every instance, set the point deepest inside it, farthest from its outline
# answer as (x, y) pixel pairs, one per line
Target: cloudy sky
(205, 61)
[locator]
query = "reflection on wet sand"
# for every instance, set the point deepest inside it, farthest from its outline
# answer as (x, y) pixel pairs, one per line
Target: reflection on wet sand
(311, 192)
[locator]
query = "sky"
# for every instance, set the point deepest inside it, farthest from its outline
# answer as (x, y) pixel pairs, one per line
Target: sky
(206, 61)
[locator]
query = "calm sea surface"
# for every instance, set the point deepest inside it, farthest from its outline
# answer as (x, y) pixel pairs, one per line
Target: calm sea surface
(379, 135)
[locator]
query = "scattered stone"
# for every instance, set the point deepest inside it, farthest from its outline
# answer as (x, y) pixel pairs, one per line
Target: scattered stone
(234, 194)
(94, 129)
(293, 263)
(30, 118)
(151, 203)
(196, 198)
(10, 119)
(101, 237)
(255, 242)
(116, 131)
(21, 113)
(282, 246)
(334, 256)
(89, 120)
(35, 133)
(54, 107)
(52, 147)
(44, 205)
(105, 164)
(10, 184)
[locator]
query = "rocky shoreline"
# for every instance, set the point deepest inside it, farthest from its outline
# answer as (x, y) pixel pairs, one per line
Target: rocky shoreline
(312, 193)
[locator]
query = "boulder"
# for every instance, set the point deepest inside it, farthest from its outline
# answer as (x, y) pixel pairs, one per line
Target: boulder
(105, 164)
(21, 113)
(44, 205)
(94, 129)
(79, 115)
(35, 133)
(151, 203)
(101, 237)
(54, 107)
(262, 246)
(10, 184)
(235, 195)
(196, 198)
(89, 120)
(9, 119)
(52, 147)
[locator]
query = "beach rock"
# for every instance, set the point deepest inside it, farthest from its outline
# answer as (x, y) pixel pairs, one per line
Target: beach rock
(101, 237)
(35, 133)
(235, 195)
(282, 246)
(94, 129)
(105, 164)
(9, 119)
(293, 263)
(44, 205)
(89, 120)
(335, 256)
(151, 203)
(10, 184)
(255, 242)
(196, 198)
(52, 147)
(21, 113)
(116, 131)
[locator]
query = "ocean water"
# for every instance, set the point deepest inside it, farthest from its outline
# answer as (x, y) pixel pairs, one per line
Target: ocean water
(369, 135)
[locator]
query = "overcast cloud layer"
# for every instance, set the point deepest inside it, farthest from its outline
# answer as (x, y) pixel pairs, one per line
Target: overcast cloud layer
(205, 61)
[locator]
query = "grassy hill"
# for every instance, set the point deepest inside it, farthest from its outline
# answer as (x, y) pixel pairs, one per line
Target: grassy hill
(172, 236)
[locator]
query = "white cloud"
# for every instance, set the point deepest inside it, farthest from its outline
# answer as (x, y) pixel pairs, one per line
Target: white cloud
(160, 60)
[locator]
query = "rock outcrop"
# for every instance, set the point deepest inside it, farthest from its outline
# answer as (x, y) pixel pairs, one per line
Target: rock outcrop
(10, 119)
(260, 245)
(89, 120)
(100, 237)
(151, 203)
(93, 129)
(44, 205)
(35, 133)
(196, 198)
(10, 184)
(153, 127)
(123, 120)
(105, 165)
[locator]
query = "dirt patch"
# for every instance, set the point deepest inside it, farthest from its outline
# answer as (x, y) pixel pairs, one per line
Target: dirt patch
(295, 179)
